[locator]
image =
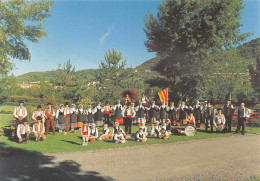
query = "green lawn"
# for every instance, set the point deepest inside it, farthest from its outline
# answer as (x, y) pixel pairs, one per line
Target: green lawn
(72, 141)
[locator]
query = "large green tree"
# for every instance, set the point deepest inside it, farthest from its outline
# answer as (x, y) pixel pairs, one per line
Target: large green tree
(21, 21)
(255, 77)
(185, 35)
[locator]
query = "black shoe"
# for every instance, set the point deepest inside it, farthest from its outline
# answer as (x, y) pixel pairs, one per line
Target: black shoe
(236, 133)
(26, 141)
(243, 133)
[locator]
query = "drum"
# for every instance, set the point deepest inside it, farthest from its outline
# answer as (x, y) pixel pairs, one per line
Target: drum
(190, 130)
(220, 128)
(91, 139)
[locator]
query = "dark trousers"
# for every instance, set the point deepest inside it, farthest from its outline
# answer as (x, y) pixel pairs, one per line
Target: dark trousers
(106, 116)
(209, 120)
(128, 125)
(241, 122)
(228, 124)
(48, 122)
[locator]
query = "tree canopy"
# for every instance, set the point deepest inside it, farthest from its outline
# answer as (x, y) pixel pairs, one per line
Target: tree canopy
(20, 22)
(185, 35)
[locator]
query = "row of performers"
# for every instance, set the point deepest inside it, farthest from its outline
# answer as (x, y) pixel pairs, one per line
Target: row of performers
(73, 118)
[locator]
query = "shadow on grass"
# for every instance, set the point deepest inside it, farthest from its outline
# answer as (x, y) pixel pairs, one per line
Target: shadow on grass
(72, 142)
(19, 164)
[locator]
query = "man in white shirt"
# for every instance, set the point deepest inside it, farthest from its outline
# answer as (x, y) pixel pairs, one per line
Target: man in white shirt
(242, 114)
(20, 113)
(38, 126)
(128, 113)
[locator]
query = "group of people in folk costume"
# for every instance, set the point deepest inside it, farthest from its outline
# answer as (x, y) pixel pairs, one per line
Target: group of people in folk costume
(160, 117)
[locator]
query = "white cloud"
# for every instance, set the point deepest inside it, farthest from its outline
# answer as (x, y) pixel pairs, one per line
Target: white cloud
(107, 34)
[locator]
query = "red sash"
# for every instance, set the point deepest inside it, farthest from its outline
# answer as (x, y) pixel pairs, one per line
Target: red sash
(84, 132)
(107, 112)
(219, 124)
(128, 116)
(67, 114)
(191, 121)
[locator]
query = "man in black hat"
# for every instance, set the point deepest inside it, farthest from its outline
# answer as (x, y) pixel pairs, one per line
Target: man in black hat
(49, 117)
(228, 110)
(20, 113)
(38, 126)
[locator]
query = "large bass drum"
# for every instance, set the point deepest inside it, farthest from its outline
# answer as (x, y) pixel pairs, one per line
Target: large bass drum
(190, 131)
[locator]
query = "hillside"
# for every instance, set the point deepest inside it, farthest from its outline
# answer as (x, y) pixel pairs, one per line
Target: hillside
(247, 50)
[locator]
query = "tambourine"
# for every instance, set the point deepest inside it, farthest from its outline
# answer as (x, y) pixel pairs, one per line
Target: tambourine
(190, 131)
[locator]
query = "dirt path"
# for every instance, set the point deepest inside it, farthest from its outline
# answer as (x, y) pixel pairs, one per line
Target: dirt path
(232, 158)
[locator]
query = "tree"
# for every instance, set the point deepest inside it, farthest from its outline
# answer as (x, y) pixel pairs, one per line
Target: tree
(185, 34)
(112, 73)
(20, 22)
(255, 77)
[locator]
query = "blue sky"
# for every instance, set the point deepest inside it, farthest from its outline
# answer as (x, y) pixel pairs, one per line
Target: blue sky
(83, 31)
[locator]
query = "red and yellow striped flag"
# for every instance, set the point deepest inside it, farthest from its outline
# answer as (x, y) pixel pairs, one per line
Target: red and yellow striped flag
(164, 95)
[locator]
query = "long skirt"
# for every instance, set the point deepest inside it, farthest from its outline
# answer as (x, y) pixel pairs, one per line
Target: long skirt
(90, 120)
(60, 123)
(73, 121)
(67, 123)
(80, 120)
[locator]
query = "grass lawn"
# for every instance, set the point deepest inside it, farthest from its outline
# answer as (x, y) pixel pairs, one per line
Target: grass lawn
(72, 141)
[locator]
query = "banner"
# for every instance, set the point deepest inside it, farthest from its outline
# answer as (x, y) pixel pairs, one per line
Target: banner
(164, 95)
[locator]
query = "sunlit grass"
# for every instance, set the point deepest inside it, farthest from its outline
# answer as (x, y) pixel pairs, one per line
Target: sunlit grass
(72, 141)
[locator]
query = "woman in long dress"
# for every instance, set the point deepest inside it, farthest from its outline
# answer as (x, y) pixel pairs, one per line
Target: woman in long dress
(60, 116)
(90, 115)
(80, 116)
(73, 117)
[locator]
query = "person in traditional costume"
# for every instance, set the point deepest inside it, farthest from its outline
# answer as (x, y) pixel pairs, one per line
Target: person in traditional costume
(126, 99)
(67, 117)
(183, 113)
(85, 133)
(228, 110)
(107, 110)
(90, 115)
(140, 113)
(80, 116)
(219, 121)
(155, 130)
(163, 109)
(49, 118)
(191, 118)
(197, 113)
(172, 110)
(119, 137)
(152, 111)
(209, 112)
(20, 114)
(128, 113)
(23, 131)
(163, 134)
(134, 119)
(107, 134)
(168, 126)
(38, 118)
(140, 136)
(118, 113)
(73, 117)
(145, 130)
(98, 112)
(144, 100)
(242, 113)
(60, 116)
(116, 128)
(93, 132)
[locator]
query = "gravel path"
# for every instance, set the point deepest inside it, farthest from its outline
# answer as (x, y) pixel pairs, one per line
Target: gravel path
(232, 158)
